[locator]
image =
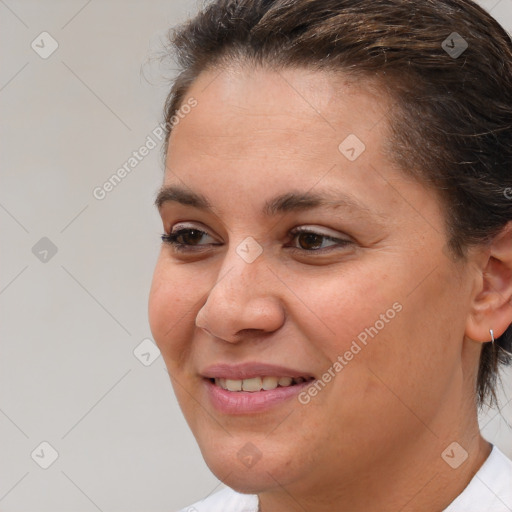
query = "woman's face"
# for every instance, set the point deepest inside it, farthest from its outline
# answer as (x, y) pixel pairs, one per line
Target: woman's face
(308, 255)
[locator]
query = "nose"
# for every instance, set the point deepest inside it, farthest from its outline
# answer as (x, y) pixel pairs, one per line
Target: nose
(243, 300)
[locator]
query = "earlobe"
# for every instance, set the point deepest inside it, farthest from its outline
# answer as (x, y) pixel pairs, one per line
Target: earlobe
(492, 304)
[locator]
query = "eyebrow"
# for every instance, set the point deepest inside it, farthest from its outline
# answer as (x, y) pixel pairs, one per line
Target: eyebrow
(288, 202)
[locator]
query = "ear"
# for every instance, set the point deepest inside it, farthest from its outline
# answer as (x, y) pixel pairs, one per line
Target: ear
(491, 306)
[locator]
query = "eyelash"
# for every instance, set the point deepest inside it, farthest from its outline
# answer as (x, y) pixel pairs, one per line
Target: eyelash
(172, 240)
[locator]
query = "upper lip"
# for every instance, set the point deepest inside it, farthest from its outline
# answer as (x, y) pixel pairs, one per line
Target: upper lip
(250, 370)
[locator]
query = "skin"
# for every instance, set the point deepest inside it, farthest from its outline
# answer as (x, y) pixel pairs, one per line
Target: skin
(372, 439)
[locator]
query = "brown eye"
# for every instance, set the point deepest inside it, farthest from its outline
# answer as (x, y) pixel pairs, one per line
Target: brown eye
(310, 241)
(183, 239)
(189, 236)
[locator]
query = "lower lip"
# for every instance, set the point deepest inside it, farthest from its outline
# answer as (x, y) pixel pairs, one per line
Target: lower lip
(246, 402)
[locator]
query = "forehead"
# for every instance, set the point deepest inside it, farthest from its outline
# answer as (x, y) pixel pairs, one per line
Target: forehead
(245, 113)
(256, 134)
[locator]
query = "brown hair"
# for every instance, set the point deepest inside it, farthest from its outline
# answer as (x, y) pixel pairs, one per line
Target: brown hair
(452, 125)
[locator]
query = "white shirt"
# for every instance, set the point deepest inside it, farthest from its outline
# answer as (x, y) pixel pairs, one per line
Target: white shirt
(490, 490)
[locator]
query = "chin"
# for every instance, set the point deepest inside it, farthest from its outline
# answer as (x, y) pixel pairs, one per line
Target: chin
(246, 480)
(249, 467)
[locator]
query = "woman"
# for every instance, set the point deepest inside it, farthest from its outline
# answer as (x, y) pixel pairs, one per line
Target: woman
(333, 294)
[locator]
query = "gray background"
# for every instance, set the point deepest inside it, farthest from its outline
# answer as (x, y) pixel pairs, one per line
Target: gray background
(71, 322)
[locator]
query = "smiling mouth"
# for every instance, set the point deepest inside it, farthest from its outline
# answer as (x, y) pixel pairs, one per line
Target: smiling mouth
(256, 384)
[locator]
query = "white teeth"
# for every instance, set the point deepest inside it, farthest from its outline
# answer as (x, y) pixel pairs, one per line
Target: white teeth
(257, 383)
(253, 384)
(233, 385)
(270, 383)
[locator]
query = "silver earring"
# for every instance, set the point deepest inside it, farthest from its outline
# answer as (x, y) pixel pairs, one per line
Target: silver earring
(492, 335)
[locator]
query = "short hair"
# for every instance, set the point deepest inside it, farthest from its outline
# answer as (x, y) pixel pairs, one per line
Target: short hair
(445, 64)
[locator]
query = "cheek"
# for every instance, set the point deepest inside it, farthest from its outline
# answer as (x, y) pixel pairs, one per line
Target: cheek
(383, 331)
(414, 360)
(340, 309)
(171, 309)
